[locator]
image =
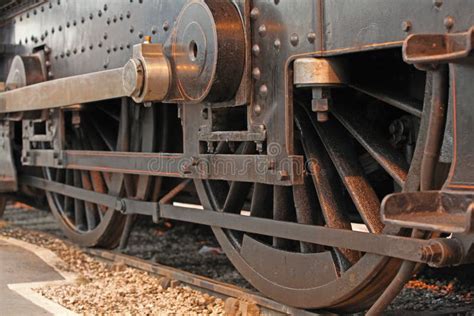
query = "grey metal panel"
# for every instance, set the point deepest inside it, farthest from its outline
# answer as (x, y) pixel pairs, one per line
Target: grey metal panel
(87, 36)
(359, 24)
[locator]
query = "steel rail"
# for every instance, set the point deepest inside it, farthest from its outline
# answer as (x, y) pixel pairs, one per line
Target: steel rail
(435, 252)
(216, 288)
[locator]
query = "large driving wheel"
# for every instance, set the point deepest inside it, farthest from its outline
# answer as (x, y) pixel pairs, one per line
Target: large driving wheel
(353, 161)
(115, 126)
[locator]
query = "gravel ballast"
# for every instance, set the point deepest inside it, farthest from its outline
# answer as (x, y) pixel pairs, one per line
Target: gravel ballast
(107, 289)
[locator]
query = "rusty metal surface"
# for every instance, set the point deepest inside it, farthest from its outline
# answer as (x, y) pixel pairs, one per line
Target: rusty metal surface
(229, 67)
(434, 211)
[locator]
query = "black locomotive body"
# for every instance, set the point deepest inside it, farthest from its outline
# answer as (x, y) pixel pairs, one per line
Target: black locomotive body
(329, 141)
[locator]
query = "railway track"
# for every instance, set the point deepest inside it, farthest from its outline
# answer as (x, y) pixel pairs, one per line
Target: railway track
(236, 297)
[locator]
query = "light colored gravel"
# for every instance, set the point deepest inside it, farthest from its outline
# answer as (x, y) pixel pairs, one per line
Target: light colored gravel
(105, 289)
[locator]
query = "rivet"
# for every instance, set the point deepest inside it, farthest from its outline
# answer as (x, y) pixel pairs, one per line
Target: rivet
(257, 109)
(256, 73)
(406, 26)
(449, 22)
(263, 91)
(262, 30)
(311, 37)
(294, 39)
(256, 50)
(255, 13)
(277, 44)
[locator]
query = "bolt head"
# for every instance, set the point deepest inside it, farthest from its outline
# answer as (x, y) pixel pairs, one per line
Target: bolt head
(438, 3)
(294, 39)
(132, 77)
(323, 117)
(449, 22)
(406, 26)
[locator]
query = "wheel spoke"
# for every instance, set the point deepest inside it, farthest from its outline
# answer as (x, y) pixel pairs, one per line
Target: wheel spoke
(236, 197)
(283, 210)
(90, 208)
(79, 211)
(306, 206)
(109, 113)
(391, 160)
(345, 160)
(261, 197)
(60, 177)
(104, 133)
(398, 101)
(324, 178)
(68, 202)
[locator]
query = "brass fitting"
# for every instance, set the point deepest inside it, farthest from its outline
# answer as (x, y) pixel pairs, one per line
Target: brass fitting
(147, 76)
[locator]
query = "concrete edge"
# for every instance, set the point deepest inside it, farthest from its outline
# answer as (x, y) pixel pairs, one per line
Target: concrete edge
(26, 289)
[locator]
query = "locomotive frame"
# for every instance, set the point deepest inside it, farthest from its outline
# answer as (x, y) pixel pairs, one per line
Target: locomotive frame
(256, 59)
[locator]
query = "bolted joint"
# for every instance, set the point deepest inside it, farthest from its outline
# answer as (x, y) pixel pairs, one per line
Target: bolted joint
(147, 76)
(443, 253)
(321, 103)
(121, 206)
(133, 77)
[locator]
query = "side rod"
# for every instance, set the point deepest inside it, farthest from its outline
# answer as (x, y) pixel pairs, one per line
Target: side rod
(436, 252)
(97, 86)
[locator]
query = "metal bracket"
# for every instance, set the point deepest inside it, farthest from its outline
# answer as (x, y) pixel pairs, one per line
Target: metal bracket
(448, 212)
(438, 48)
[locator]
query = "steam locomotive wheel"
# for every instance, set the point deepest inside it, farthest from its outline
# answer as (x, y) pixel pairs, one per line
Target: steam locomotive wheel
(104, 127)
(306, 275)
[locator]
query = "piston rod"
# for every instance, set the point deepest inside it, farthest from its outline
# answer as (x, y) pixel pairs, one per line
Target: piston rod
(146, 77)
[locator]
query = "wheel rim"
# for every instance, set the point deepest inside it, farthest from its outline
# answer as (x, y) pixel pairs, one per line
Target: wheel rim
(314, 276)
(102, 127)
